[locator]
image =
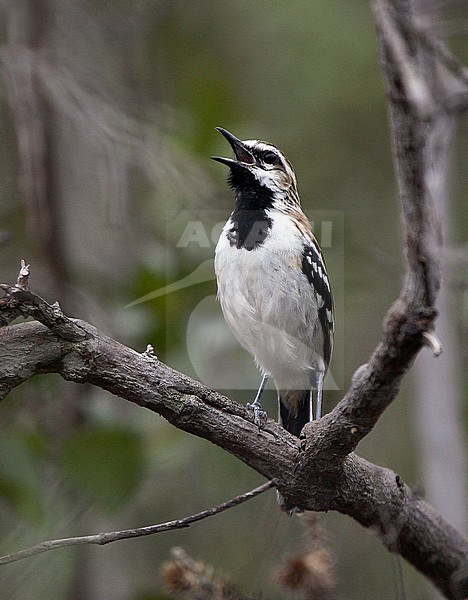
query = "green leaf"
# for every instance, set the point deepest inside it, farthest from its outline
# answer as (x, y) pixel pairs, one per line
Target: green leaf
(105, 463)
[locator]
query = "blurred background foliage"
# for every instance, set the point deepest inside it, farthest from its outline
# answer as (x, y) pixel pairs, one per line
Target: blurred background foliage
(108, 113)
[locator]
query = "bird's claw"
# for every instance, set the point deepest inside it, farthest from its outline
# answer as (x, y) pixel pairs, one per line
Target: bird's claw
(259, 416)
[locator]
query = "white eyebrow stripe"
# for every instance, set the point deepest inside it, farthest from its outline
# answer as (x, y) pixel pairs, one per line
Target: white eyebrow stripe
(261, 146)
(266, 147)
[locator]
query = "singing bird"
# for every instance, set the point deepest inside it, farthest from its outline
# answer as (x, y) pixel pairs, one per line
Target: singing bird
(272, 281)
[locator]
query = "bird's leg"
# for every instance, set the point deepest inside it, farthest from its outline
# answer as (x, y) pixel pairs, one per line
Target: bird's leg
(260, 415)
(319, 387)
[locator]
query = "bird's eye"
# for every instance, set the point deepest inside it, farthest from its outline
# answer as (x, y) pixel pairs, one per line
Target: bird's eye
(270, 158)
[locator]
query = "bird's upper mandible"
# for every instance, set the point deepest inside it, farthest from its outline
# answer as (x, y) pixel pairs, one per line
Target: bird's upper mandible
(258, 163)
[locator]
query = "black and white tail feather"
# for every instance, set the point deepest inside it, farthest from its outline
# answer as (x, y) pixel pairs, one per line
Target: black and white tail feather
(293, 420)
(273, 284)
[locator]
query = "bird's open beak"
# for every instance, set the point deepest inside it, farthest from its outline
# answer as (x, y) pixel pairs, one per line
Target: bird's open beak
(242, 154)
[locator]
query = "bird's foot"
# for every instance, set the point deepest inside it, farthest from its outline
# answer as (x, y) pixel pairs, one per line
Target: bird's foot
(259, 416)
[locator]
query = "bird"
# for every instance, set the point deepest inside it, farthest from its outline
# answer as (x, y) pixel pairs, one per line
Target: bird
(272, 281)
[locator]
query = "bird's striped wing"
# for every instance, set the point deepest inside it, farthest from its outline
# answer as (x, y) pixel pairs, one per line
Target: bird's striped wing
(314, 269)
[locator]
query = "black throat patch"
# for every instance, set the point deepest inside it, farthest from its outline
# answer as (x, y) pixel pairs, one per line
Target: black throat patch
(249, 228)
(250, 223)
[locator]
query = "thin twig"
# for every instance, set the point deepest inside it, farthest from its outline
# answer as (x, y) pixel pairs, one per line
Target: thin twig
(23, 277)
(113, 536)
(432, 342)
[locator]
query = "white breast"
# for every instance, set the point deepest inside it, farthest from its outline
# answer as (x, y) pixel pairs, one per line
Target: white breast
(269, 304)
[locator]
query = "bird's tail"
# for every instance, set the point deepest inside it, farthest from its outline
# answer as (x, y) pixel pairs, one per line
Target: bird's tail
(294, 413)
(294, 410)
